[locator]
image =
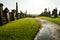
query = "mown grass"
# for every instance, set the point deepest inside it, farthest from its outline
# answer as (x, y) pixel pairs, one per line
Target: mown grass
(23, 29)
(55, 20)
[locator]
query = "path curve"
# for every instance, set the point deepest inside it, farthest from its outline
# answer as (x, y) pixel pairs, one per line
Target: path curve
(48, 31)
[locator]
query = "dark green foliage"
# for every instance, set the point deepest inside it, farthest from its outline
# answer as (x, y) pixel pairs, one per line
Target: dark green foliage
(54, 12)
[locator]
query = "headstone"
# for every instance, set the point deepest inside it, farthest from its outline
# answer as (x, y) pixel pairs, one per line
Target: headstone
(21, 14)
(2, 19)
(6, 15)
(14, 14)
(59, 12)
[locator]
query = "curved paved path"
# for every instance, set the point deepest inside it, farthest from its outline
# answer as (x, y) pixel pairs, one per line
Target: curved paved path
(48, 31)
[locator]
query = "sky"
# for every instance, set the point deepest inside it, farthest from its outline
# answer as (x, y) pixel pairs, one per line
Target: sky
(32, 6)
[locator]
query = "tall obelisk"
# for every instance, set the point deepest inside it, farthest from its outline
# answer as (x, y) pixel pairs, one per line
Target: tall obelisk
(16, 10)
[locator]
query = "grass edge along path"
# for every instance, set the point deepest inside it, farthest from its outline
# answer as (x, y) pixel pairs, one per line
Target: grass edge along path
(22, 29)
(55, 20)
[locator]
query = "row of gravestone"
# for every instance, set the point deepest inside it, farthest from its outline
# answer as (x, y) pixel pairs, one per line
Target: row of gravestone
(6, 16)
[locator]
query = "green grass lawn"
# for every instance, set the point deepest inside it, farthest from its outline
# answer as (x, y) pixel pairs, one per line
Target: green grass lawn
(55, 20)
(23, 29)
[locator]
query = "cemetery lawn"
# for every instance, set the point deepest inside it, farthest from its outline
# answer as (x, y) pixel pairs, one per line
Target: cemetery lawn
(55, 20)
(22, 29)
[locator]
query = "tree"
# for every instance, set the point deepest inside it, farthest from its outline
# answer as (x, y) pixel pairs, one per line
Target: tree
(54, 12)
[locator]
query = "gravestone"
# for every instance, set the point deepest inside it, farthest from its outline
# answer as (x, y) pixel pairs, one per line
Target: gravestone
(18, 15)
(2, 19)
(6, 15)
(14, 14)
(21, 14)
(59, 12)
(1, 13)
